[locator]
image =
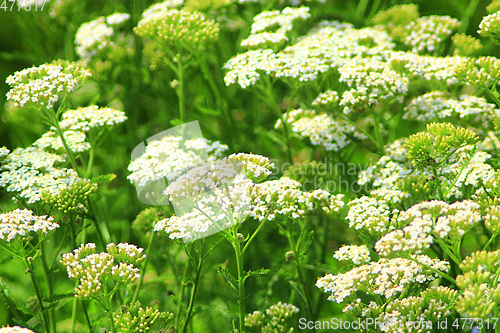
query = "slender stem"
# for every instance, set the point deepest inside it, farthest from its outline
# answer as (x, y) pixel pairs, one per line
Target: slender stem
(145, 265)
(180, 88)
(193, 294)
(38, 294)
(69, 152)
(253, 236)
(468, 14)
(181, 293)
(298, 267)
(73, 313)
(446, 276)
(50, 286)
(221, 103)
(361, 9)
(241, 280)
(492, 238)
(270, 98)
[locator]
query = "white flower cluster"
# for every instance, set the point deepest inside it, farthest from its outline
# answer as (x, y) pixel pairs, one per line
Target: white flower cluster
(284, 198)
(93, 36)
(426, 33)
(372, 215)
(327, 98)
(75, 141)
(28, 172)
(426, 221)
(386, 277)
(159, 7)
(93, 269)
(4, 151)
(323, 130)
(280, 312)
(41, 86)
(15, 329)
(439, 106)
(357, 255)
(117, 18)
(209, 198)
(489, 25)
(18, 223)
(126, 252)
(323, 49)
(260, 38)
(464, 171)
(257, 167)
(165, 158)
(83, 119)
(213, 196)
(371, 81)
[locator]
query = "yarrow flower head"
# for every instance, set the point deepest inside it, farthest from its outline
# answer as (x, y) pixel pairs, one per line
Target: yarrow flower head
(87, 118)
(256, 167)
(427, 33)
(490, 27)
(70, 198)
(170, 157)
(138, 318)
(52, 141)
(427, 221)
(261, 37)
(19, 223)
(386, 277)
(354, 254)
(322, 129)
(274, 320)
(178, 29)
(42, 86)
(208, 198)
(15, 329)
(282, 198)
(479, 284)
(28, 172)
(94, 36)
(466, 45)
(161, 6)
(92, 269)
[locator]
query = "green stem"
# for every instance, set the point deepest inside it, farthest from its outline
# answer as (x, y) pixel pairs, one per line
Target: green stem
(446, 276)
(193, 294)
(38, 294)
(241, 279)
(221, 103)
(50, 286)
(471, 9)
(109, 310)
(299, 267)
(492, 238)
(378, 135)
(270, 98)
(69, 152)
(180, 88)
(73, 312)
(145, 265)
(361, 9)
(253, 236)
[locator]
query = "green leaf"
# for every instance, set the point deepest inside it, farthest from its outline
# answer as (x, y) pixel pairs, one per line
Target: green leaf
(229, 278)
(308, 241)
(103, 178)
(208, 111)
(262, 271)
(58, 297)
